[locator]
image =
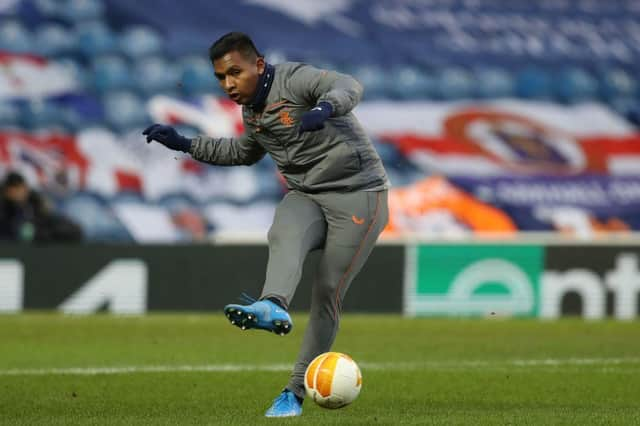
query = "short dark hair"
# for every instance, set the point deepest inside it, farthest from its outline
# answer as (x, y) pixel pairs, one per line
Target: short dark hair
(234, 41)
(13, 179)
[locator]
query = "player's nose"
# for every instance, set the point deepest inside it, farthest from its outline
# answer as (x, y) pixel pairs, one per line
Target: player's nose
(229, 83)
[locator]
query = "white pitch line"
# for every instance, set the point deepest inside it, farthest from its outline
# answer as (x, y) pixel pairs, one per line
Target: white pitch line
(387, 366)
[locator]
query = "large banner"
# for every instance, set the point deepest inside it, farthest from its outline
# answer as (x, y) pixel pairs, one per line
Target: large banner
(510, 279)
(577, 205)
(133, 279)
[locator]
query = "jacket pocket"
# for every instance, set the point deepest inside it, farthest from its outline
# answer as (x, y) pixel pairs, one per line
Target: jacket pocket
(340, 163)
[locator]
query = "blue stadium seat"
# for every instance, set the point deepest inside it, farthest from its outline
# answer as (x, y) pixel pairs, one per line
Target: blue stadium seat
(96, 218)
(196, 76)
(81, 10)
(79, 111)
(534, 83)
(575, 85)
(374, 79)
(492, 83)
(409, 82)
(54, 40)
(627, 107)
(266, 164)
(138, 42)
(269, 187)
(617, 83)
(9, 114)
(48, 8)
(40, 114)
(400, 177)
(96, 38)
(80, 75)
(111, 73)
(124, 110)
(454, 83)
(154, 74)
(14, 37)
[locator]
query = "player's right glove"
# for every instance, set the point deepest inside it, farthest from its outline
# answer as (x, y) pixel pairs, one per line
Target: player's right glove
(168, 137)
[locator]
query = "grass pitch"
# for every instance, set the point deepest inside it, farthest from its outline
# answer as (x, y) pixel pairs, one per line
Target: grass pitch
(197, 369)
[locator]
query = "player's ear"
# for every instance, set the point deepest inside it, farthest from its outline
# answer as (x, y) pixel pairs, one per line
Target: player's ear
(260, 64)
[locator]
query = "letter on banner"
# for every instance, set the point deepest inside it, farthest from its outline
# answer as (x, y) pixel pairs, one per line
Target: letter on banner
(122, 284)
(11, 286)
(584, 282)
(624, 280)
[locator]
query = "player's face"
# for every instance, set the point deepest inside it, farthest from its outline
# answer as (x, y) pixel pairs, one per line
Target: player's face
(238, 75)
(17, 193)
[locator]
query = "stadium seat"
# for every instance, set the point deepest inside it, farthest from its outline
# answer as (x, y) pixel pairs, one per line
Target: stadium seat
(40, 114)
(617, 83)
(124, 110)
(79, 111)
(196, 76)
(534, 83)
(14, 37)
(154, 75)
(454, 83)
(79, 73)
(95, 38)
(111, 73)
(138, 42)
(81, 10)
(47, 8)
(575, 85)
(96, 218)
(54, 40)
(409, 83)
(494, 83)
(269, 187)
(374, 79)
(389, 154)
(627, 107)
(266, 164)
(9, 114)
(399, 177)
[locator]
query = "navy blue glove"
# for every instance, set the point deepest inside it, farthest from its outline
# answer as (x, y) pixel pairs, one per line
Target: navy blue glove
(168, 137)
(314, 119)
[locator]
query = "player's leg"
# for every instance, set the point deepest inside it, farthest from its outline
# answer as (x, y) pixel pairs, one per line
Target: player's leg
(355, 220)
(298, 227)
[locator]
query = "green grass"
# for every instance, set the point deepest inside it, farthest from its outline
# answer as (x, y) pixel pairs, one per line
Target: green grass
(416, 371)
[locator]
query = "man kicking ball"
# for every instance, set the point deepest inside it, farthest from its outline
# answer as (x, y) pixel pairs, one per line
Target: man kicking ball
(337, 200)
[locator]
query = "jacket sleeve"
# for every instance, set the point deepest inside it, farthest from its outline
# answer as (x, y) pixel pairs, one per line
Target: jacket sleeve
(227, 151)
(313, 85)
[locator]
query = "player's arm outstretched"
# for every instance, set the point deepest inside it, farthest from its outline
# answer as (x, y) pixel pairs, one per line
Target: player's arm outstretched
(331, 93)
(218, 151)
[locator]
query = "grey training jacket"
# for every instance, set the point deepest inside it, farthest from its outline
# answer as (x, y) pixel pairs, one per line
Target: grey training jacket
(338, 158)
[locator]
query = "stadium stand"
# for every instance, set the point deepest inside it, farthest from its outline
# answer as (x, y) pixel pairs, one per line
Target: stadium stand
(74, 66)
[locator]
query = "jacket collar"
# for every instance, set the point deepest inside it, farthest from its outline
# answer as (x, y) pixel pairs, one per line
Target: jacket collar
(264, 86)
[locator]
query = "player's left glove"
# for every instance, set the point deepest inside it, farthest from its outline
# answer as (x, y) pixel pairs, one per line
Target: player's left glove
(314, 119)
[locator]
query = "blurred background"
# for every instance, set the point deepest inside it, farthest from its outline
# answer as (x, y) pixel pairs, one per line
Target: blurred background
(509, 120)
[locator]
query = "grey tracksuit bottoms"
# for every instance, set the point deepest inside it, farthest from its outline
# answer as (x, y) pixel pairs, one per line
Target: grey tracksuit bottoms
(345, 226)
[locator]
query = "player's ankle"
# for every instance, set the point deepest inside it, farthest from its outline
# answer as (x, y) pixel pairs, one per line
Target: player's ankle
(277, 301)
(298, 398)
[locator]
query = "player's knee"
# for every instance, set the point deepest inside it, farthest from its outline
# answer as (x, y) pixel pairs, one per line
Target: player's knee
(276, 235)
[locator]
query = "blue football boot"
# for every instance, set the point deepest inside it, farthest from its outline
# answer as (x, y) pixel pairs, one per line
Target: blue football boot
(262, 314)
(285, 405)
